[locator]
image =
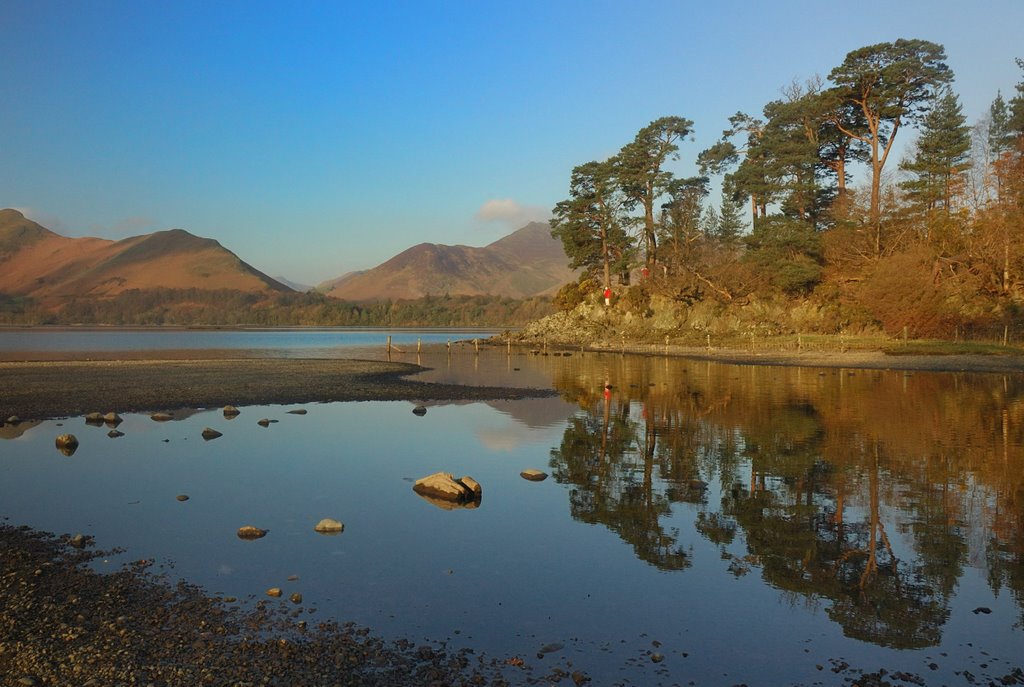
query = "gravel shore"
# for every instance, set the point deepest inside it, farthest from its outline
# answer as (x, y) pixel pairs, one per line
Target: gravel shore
(61, 623)
(49, 389)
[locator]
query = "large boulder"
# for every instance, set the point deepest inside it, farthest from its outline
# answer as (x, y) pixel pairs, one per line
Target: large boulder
(442, 487)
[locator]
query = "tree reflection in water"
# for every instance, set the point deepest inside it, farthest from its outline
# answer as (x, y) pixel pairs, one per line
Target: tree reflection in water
(869, 490)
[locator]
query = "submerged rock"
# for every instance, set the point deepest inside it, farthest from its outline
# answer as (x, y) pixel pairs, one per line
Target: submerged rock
(297, 411)
(115, 433)
(265, 422)
(231, 411)
(329, 526)
(250, 532)
(419, 410)
(182, 497)
(161, 417)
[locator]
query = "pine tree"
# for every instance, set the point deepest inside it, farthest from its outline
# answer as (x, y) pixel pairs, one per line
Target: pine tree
(942, 154)
(730, 225)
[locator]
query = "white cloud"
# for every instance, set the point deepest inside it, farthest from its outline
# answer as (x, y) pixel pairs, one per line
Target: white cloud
(510, 213)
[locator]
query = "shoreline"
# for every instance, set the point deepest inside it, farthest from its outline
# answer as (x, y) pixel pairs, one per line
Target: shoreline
(67, 384)
(39, 390)
(62, 622)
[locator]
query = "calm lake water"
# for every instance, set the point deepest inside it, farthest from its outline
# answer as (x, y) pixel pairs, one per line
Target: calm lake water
(749, 524)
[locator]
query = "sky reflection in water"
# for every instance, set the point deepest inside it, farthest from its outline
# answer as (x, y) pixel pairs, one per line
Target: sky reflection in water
(853, 515)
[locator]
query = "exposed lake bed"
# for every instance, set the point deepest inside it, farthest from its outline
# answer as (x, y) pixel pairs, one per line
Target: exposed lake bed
(820, 504)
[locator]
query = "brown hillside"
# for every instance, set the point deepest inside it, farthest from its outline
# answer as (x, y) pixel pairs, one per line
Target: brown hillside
(525, 263)
(52, 268)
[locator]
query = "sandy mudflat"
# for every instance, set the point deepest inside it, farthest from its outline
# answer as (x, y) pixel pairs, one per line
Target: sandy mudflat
(39, 390)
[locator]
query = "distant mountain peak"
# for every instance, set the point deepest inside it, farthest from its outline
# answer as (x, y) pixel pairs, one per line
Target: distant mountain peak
(52, 268)
(528, 262)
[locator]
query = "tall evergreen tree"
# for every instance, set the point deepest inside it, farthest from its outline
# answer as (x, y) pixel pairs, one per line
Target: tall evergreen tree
(1000, 137)
(730, 225)
(641, 174)
(891, 84)
(749, 180)
(942, 154)
(590, 223)
(1017, 109)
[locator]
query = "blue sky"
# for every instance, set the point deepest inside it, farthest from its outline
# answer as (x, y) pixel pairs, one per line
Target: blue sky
(314, 138)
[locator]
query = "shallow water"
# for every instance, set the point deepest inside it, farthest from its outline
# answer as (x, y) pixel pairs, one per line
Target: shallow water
(749, 524)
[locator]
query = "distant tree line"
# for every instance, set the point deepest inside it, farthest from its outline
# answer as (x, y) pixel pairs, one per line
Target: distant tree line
(930, 245)
(229, 307)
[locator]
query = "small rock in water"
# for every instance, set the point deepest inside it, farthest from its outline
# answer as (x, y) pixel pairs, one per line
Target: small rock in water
(297, 411)
(113, 418)
(115, 433)
(442, 487)
(250, 532)
(67, 444)
(982, 609)
(182, 497)
(274, 592)
(533, 475)
(209, 433)
(94, 419)
(231, 411)
(329, 526)
(551, 648)
(296, 598)
(78, 541)
(265, 422)
(161, 417)
(657, 658)
(419, 410)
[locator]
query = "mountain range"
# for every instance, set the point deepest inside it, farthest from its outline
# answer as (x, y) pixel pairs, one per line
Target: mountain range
(52, 269)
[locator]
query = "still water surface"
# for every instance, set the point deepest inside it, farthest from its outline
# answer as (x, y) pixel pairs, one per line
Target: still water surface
(751, 524)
